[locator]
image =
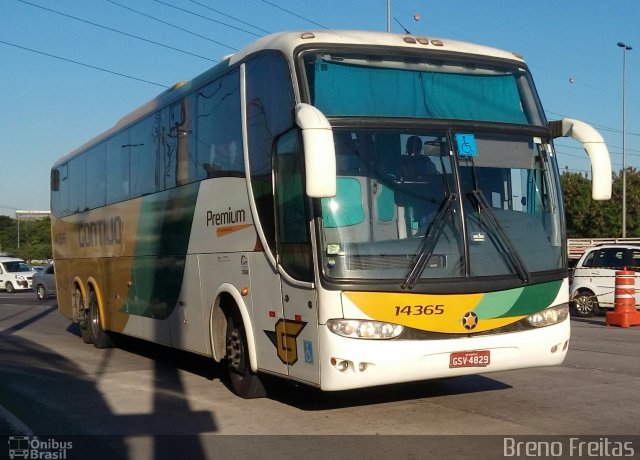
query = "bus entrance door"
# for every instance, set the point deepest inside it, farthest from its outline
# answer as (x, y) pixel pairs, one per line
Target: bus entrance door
(297, 333)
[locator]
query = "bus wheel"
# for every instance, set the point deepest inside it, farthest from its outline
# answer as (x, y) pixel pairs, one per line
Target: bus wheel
(99, 337)
(9, 288)
(244, 382)
(80, 315)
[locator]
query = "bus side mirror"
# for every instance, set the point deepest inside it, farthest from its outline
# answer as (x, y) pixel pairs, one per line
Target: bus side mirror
(594, 144)
(319, 152)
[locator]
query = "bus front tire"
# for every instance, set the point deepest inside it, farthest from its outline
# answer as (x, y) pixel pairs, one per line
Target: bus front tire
(99, 337)
(244, 382)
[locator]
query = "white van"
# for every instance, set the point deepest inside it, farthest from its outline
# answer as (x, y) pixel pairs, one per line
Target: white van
(15, 274)
(594, 278)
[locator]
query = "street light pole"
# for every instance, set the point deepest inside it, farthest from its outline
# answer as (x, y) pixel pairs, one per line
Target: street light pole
(625, 48)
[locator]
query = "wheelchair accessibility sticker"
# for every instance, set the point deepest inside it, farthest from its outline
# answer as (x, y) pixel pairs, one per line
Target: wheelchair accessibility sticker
(466, 145)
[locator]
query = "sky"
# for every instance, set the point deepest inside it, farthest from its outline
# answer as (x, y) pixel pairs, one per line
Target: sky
(70, 69)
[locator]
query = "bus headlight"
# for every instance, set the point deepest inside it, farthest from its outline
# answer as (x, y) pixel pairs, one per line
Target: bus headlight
(549, 316)
(364, 329)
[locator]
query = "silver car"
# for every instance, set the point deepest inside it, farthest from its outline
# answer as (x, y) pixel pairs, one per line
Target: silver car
(44, 283)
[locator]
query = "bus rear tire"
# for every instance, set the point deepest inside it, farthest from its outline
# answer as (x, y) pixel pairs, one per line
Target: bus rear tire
(99, 337)
(80, 315)
(85, 333)
(244, 382)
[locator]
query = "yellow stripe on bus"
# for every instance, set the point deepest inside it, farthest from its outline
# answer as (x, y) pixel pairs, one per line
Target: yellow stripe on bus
(427, 312)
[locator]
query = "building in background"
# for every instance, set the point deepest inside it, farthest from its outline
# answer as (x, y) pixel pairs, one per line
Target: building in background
(32, 215)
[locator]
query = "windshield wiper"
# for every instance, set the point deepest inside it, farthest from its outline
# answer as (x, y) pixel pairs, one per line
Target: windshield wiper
(507, 244)
(429, 241)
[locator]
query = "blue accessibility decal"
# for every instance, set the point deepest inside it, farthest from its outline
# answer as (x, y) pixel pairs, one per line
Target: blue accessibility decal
(308, 352)
(466, 145)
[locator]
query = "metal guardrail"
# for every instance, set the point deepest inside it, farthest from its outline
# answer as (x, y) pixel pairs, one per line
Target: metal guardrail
(577, 246)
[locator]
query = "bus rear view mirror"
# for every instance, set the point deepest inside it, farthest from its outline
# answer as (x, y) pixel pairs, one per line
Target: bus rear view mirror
(597, 150)
(319, 151)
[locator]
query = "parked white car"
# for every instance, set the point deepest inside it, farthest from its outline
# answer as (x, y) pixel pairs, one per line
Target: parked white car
(594, 278)
(15, 274)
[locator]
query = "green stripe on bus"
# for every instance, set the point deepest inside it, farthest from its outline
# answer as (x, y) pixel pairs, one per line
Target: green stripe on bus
(164, 229)
(534, 298)
(517, 302)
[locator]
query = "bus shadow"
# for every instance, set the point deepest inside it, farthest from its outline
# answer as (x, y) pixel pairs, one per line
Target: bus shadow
(300, 396)
(47, 393)
(168, 358)
(311, 399)
(55, 397)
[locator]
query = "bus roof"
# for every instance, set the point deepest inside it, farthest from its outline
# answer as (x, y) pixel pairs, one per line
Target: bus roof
(287, 42)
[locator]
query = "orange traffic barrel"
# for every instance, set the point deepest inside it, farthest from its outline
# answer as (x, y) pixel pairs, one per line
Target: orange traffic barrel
(624, 312)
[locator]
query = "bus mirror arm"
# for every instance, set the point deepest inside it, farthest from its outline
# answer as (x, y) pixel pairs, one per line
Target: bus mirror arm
(595, 147)
(319, 151)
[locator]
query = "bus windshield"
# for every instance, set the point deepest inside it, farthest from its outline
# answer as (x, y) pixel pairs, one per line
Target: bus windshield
(407, 86)
(419, 204)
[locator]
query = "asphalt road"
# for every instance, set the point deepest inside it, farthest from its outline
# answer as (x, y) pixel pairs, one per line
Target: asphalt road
(145, 401)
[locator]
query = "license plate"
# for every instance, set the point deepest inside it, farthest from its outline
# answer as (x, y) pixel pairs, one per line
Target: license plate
(475, 358)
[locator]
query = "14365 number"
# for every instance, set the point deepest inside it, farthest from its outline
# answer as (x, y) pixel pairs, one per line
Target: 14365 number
(416, 310)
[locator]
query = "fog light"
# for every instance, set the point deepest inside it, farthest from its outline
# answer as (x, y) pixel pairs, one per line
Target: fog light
(554, 348)
(343, 366)
(362, 367)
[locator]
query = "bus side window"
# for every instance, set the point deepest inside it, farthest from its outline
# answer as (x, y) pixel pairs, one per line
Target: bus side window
(96, 176)
(293, 218)
(218, 128)
(143, 158)
(270, 105)
(118, 167)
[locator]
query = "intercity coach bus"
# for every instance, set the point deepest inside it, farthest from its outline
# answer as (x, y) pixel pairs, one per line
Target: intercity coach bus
(342, 209)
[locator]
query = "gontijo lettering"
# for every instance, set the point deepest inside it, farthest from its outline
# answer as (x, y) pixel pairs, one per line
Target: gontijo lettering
(101, 232)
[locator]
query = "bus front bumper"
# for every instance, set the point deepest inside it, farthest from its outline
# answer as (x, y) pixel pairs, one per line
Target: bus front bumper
(348, 363)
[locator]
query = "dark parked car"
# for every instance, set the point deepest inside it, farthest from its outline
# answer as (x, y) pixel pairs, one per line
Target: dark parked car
(44, 283)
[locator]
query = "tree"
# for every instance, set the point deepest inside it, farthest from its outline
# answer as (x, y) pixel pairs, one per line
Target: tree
(35, 238)
(587, 218)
